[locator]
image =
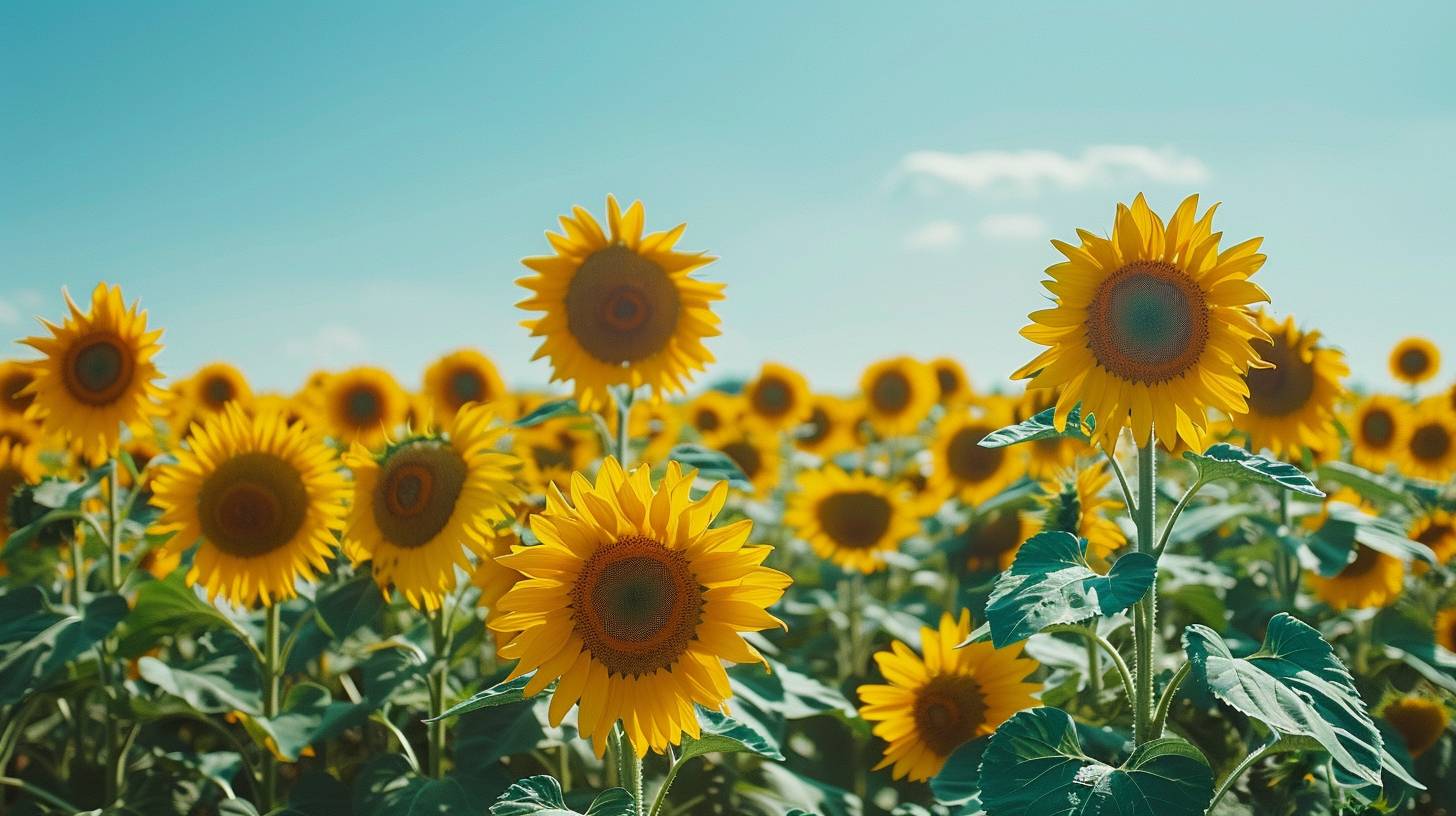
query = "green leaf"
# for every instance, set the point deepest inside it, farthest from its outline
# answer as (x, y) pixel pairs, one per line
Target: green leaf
(389, 787)
(165, 609)
(1294, 685)
(339, 611)
(541, 796)
(225, 681)
(711, 465)
(548, 411)
(236, 807)
(1034, 766)
(722, 734)
(1378, 488)
(959, 780)
(37, 642)
(1050, 582)
(317, 793)
(513, 691)
(309, 715)
(1039, 427)
(1333, 544)
(489, 734)
(1409, 632)
(1230, 462)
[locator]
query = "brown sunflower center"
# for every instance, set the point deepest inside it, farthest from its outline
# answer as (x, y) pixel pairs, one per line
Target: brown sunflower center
(252, 504)
(967, 460)
(890, 392)
(1148, 322)
(621, 307)
(98, 369)
(10, 389)
(949, 710)
(1430, 442)
(948, 381)
(706, 419)
(745, 456)
(772, 397)
(466, 385)
(637, 605)
(986, 541)
(1413, 362)
(854, 519)
(218, 391)
(817, 428)
(363, 405)
(1377, 427)
(1366, 560)
(1285, 388)
(1435, 535)
(415, 497)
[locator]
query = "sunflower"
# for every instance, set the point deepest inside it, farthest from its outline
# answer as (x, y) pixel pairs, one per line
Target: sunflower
(217, 384)
(270, 403)
(777, 399)
(20, 432)
(264, 498)
(851, 519)
(757, 455)
(830, 427)
(1376, 427)
(950, 378)
(1414, 360)
(18, 466)
(1371, 580)
(993, 539)
(363, 405)
(1446, 629)
(657, 424)
(1418, 718)
(898, 393)
(552, 451)
(425, 502)
(941, 699)
(620, 310)
(1292, 405)
(1436, 529)
(461, 377)
(973, 473)
(97, 373)
(1151, 326)
(15, 378)
(1428, 447)
(1046, 458)
(1077, 502)
(926, 495)
(715, 413)
(632, 602)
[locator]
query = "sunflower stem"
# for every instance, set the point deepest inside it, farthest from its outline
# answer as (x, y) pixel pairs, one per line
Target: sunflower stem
(674, 765)
(624, 413)
(78, 565)
(439, 688)
(113, 532)
(1145, 611)
(272, 693)
(1289, 586)
(629, 767)
(1238, 770)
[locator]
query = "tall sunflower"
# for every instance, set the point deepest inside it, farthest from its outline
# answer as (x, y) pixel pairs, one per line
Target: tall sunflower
(757, 455)
(1370, 580)
(15, 379)
(937, 701)
(1151, 326)
(972, 472)
(851, 519)
(777, 399)
(1292, 404)
(1377, 427)
(363, 405)
(633, 603)
(951, 380)
(620, 309)
(263, 499)
(97, 374)
(464, 376)
(898, 393)
(1414, 360)
(553, 450)
(424, 503)
(1428, 447)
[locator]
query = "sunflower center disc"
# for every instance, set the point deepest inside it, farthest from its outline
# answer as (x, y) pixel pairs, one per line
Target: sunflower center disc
(745, 456)
(637, 605)
(986, 542)
(854, 519)
(949, 710)
(1148, 322)
(418, 488)
(947, 380)
(1377, 427)
(1430, 443)
(98, 370)
(621, 307)
(1283, 389)
(10, 391)
(466, 385)
(772, 398)
(967, 460)
(1365, 561)
(363, 406)
(818, 427)
(706, 420)
(252, 504)
(1435, 534)
(217, 392)
(891, 392)
(1413, 362)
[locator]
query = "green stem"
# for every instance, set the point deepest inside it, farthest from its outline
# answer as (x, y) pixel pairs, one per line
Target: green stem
(1238, 770)
(78, 577)
(272, 693)
(119, 771)
(1145, 613)
(624, 437)
(1160, 719)
(1093, 637)
(439, 688)
(1094, 672)
(113, 538)
(43, 795)
(409, 753)
(674, 765)
(1173, 516)
(629, 767)
(1290, 572)
(563, 753)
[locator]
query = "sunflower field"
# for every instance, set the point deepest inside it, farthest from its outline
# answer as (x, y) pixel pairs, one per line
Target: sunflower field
(1190, 568)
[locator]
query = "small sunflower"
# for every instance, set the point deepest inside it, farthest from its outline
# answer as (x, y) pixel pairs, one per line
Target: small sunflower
(715, 413)
(1077, 504)
(552, 451)
(1370, 581)
(1414, 360)
(777, 399)
(15, 379)
(898, 394)
(1428, 447)
(944, 697)
(633, 603)
(18, 467)
(851, 519)
(215, 385)
(264, 499)
(993, 539)
(97, 373)
(926, 495)
(1151, 326)
(1418, 718)
(656, 425)
(1292, 404)
(423, 503)
(950, 377)
(363, 405)
(1377, 427)
(829, 428)
(1436, 529)
(620, 309)
(21, 432)
(757, 455)
(462, 377)
(973, 473)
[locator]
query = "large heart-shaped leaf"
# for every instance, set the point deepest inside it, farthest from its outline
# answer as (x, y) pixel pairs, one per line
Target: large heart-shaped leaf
(1296, 686)
(339, 611)
(1034, 766)
(1040, 426)
(1230, 462)
(166, 609)
(541, 796)
(38, 642)
(1408, 631)
(959, 780)
(1379, 488)
(1050, 582)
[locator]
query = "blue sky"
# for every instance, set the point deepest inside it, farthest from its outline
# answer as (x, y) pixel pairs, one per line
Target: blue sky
(288, 186)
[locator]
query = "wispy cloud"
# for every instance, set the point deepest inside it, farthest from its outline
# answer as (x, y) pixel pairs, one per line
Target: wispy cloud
(330, 345)
(15, 305)
(935, 235)
(1013, 227)
(1031, 170)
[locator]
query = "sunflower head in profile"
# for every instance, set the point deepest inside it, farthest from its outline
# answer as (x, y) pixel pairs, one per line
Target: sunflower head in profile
(714, 414)
(777, 399)
(1078, 503)
(830, 427)
(462, 377)
(364, 405)
(215, 385)
(620, 307)
(1151, 326)
(97, 374)
(1371, 579)
(422, 504)
(15, 379)
(263, 500)
(19, 466)
(898, 393)
(1435, 528)
(1414, 360)
(632, 603)
(952, 384)
(992, 540)
(851, 519)
(1377, 427)
(1428, 447)
(936, 701)
(971, 472)
(1420, 719)
(756, 454)
(1292, 403)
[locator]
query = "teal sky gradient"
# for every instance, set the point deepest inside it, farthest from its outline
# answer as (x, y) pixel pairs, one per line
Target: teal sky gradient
(294, 185)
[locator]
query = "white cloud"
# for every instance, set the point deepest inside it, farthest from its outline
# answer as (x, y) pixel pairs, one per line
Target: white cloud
(935, 235)
(1030, 170)
(14, 306)
(330, 345)
(1013, 227)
